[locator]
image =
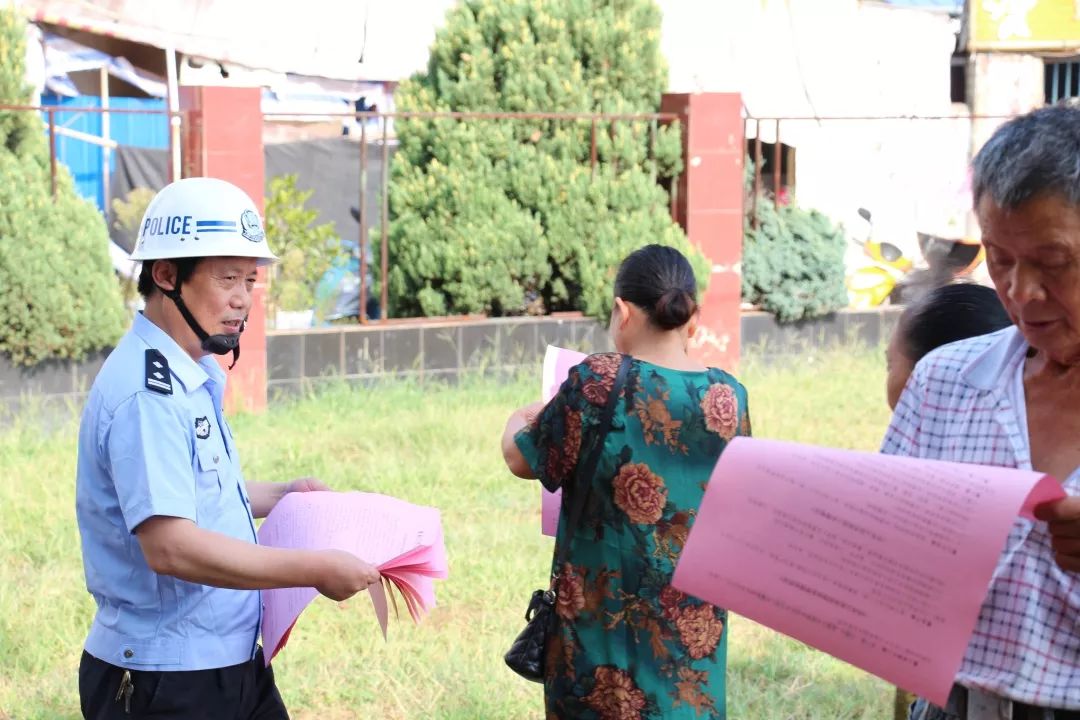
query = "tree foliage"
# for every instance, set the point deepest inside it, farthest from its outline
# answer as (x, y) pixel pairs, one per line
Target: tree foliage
(793, 263)
(59, 297)
(306, 249)
(509, 216)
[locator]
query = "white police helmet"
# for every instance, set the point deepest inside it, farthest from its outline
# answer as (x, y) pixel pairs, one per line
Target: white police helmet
(202, 217)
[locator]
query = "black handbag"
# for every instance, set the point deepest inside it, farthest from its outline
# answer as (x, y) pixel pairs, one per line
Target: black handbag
(526, 654)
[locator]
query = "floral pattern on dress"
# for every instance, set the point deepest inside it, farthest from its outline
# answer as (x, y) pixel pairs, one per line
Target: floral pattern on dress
(626, 644)
(721, 410)
(639, 493)
(614, 696)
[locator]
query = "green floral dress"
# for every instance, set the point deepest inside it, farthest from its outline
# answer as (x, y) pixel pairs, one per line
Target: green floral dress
(628, 645)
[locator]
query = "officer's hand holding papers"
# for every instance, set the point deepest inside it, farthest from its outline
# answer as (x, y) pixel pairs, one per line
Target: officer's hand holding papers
(881, 561)
(404, 541)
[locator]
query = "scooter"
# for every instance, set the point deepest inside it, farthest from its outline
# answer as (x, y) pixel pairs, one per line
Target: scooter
(955, 257)
(873, 283)
(888, 271)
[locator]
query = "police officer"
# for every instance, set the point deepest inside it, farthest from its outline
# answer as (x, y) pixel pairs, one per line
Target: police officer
(165, 516)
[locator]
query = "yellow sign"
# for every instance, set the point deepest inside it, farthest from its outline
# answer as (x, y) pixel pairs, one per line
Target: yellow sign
(1023, 24)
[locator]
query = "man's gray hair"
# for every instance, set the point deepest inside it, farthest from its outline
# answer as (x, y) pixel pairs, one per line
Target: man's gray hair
(1031, 155)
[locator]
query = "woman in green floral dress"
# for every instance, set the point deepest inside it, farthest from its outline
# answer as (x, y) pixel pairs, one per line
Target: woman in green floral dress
(628, 645)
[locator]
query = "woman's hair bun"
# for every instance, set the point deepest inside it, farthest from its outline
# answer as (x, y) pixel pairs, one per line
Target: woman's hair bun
(674, 309)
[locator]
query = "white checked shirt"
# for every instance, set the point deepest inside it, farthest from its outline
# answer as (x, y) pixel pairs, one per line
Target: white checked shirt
(965, 403)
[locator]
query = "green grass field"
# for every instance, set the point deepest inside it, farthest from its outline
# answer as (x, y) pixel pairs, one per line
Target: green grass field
(431, 445)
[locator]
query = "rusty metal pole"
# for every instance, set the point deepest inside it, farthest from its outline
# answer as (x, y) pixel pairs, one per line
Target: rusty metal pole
(757, 175)
(613, 135)
(592, 149)
(675, 197)
(188, 125)
(653, 171)
(171, 147)
(789, 153)
(776, 163)
(384, 309)
(52, 150)
(362, 310)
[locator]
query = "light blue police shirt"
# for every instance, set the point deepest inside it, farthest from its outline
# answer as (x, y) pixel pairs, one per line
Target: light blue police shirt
(143, 453)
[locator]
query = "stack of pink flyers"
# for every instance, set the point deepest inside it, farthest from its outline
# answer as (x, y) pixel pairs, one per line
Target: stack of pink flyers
(403, 540)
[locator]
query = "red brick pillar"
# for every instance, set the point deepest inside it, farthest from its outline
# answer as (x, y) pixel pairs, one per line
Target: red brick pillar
(710, 208)
(224, 140)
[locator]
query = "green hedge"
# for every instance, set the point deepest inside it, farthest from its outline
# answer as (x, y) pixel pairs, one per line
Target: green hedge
(507, 217)
(793, 263)
(59, 297)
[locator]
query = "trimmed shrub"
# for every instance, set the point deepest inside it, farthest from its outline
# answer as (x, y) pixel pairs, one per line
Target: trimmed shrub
(793, 264)
(59, 297)
(508, 217)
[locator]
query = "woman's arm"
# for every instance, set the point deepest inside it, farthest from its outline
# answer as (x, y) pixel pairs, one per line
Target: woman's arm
(519, 419)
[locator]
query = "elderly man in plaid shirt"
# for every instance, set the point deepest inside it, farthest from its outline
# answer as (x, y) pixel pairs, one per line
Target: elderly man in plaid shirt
(1012, 399)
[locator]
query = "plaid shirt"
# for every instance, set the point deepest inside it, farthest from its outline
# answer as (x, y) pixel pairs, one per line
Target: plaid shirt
(965, 403)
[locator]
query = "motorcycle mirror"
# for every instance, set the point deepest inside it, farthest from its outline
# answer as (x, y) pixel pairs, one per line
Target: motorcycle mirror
(864, 214)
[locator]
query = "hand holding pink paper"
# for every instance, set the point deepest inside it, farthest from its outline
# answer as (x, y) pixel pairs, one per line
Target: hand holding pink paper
(881, 561)
(404, 541)
(557, 364)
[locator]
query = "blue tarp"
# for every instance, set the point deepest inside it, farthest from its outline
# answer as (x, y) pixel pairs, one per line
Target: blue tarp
(84, 159)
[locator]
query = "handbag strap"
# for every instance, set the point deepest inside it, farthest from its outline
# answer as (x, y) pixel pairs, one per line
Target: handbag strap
(586, 471)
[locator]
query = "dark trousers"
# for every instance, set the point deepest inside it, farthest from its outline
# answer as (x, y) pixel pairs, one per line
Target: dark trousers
(239, 692)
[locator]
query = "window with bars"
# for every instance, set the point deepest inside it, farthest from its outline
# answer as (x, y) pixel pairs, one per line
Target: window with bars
(1062, 79)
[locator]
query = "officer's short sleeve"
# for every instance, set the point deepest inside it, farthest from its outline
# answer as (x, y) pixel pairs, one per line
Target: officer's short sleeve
(148, 455)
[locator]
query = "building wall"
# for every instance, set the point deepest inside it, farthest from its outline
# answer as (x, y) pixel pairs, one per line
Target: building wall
(839, 58)
(1003, 84)
(275, 132)
(1009, 44)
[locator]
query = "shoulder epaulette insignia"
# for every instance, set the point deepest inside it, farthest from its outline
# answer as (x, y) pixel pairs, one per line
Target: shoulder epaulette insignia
(158, 377)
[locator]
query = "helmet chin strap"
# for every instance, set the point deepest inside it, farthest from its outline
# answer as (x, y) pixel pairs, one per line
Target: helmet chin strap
(219, 344)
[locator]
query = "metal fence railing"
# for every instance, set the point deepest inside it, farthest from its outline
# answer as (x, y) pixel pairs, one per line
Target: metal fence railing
(376, 133)
(174, 122)
(918, 165)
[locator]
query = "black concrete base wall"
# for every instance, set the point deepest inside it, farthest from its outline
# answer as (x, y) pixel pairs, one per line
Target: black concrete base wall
(298, 360)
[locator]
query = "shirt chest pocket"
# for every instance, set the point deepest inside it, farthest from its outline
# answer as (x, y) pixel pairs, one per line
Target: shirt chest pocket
(212, 469)
(217, 486)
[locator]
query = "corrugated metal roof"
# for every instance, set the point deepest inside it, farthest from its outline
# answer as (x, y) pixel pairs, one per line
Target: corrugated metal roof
(340, 39)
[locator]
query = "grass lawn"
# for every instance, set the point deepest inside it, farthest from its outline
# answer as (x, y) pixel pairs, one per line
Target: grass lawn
(432, 445)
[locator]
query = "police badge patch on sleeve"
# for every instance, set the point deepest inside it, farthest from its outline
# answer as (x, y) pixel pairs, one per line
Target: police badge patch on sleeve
(158, 377)
(202, 428)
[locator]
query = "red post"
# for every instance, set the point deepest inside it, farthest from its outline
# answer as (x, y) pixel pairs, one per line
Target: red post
(225, 141)
(710, 209)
